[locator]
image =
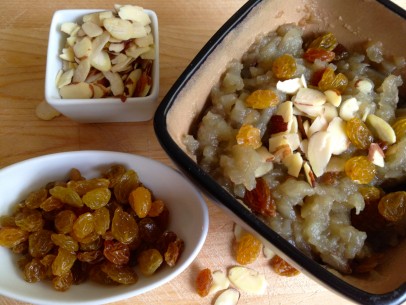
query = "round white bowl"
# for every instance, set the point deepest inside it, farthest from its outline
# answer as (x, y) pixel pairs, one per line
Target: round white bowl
(110, 109)
(188, 218)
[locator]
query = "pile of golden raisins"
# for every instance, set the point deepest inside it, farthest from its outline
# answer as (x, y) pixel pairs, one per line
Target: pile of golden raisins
(98, 229)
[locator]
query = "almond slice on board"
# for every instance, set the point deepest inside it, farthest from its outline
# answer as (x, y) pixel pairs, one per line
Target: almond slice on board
(248, 280)
(228, 297)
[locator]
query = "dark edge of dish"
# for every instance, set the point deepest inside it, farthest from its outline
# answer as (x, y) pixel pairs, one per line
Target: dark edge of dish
(393, 7)
(211, 188)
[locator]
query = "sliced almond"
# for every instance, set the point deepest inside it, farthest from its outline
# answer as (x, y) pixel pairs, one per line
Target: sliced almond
(116, 47)
(238, 232)
(94, 76)
(266, 165)
(119, 28)
(319, 124)
(365, 86)
(290, 86)
(268, 253)
(65, 78)
(120, 58)
(333, 97)
(148, 29)
(91, 29)
(294, 164)
(135, 52)
(46, 112)
(306, 126)
(101, 61)
(311, 111)
(83, 48)
(349, 108)
(71, 40)
(150, 54)
(145, 41)
(282, 152)
(248, 280)
(131, 81)
(336, 164)
(69, 28)
(122, 66)
(291, 139)
(99, 42)
(340, 140)
(92, 17)
(285, 110)
(58, 76)
(381, 128)
(376, 155)
(311, 179)
(309, 97)
(220, 282)
(105, 15)
(99, 91)
(319, 151)
(82, 71)
(116, 83)
(228, 297)
(139, 30)
(134, 13)
(304, 144)
(76, 91)
(68, 54)
(330, 112)
(294, 128)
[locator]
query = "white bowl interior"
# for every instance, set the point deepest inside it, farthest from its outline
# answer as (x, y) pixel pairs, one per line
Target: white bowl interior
(107, 109)
(188, 218)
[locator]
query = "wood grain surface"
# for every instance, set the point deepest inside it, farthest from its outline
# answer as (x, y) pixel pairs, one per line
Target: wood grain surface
(185, 26)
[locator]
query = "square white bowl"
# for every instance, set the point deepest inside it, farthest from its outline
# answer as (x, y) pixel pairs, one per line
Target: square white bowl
(110, 109)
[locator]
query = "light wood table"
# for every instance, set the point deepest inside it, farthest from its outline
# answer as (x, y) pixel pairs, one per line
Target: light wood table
(185, 26)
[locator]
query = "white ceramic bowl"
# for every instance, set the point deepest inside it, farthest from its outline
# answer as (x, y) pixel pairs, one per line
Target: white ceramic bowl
(96, 110)
(188, 218)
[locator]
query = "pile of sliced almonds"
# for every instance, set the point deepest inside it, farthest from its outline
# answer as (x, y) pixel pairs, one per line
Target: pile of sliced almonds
(109, 54)
(313, 123)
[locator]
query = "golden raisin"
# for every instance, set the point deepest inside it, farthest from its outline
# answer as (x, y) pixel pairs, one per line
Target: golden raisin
(261, 99)
(204, 281)
(283, 268)
(173, 252)
(370, 193)
(149, 261)
(97, 198)
(249, 135)
(141, 201)
(10, 237)
(393, 206)
(120, 274)
(331, 81)
(66, 195)
(248, 249)
(360, 169)
(123, 226)
(400, 128)
(157, 207)
(358, 133)
(312, 54)
(284, 67)
(326, 42)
